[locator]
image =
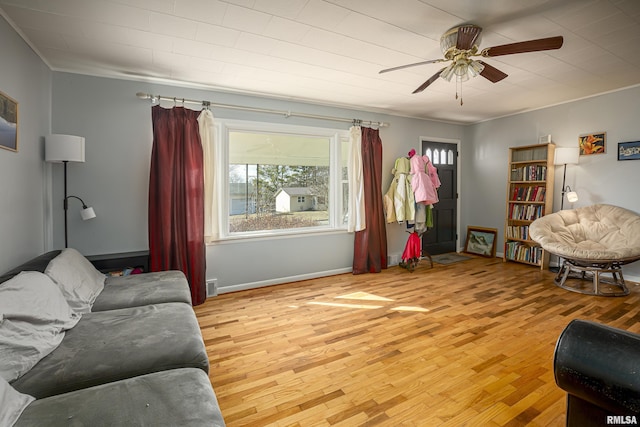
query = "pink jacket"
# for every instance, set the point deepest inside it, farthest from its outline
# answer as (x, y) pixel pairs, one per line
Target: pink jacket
(424, 180)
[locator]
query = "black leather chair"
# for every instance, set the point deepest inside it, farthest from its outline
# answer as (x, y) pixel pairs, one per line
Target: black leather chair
(599, 368)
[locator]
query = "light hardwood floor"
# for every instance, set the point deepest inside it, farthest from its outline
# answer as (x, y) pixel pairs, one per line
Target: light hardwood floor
(464, 344)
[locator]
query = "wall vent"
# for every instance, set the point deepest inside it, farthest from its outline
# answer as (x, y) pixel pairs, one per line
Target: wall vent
(212, 287)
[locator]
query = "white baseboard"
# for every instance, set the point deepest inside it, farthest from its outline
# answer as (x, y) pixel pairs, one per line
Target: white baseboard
(281, 280)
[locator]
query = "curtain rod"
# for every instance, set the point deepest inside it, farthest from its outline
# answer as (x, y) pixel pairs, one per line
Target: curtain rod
(287, 114)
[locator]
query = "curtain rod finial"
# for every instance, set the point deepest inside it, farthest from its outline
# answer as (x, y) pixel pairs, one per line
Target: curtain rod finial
(142, 95)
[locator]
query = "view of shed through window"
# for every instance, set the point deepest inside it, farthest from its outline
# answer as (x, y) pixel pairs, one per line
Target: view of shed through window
(278, 181)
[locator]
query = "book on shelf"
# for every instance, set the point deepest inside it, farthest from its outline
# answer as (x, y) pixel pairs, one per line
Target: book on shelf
(518, 232)
(536, 154)
(525, 212)
(518, 251)
(528, 193)
(529, 173)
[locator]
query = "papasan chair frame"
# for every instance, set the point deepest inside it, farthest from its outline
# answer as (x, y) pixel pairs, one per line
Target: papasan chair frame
(590, 241)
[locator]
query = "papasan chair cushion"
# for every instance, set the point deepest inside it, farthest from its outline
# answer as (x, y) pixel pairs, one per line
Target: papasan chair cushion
(598, 235)
(598, 232)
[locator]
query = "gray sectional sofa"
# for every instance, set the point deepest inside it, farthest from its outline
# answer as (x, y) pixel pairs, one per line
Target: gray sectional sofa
(128, 351)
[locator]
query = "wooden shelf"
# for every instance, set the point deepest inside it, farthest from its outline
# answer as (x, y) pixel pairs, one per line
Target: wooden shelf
(529, 196)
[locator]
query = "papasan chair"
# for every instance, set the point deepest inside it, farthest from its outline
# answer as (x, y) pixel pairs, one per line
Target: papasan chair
(590, 241)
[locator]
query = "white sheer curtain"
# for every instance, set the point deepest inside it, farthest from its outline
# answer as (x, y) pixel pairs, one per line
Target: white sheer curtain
(356, 213)
(211, 153)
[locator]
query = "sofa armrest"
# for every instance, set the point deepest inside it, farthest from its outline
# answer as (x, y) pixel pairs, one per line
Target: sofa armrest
(38, 263)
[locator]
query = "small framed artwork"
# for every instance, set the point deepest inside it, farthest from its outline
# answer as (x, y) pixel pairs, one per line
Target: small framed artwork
(8, 123)
(592, 143)
(629, 150)
(481, 241)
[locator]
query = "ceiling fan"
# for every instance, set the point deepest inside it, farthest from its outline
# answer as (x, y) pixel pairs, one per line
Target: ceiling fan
(460, 44)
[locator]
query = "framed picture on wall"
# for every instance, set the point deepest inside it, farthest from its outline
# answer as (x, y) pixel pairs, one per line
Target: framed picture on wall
(592, 143)
(481, 241)
(8, 123)
(629, 150)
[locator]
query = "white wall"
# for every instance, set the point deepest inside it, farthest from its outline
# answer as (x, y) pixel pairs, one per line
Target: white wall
(597, 178)
(25, 78)
(114, 178)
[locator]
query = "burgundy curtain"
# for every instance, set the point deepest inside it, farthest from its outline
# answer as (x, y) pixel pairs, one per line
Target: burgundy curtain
(176, 197)
(370, 247)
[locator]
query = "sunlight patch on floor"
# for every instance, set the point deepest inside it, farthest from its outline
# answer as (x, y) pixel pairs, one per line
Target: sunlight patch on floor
(410, 308)
(364, 296)
(335, 304)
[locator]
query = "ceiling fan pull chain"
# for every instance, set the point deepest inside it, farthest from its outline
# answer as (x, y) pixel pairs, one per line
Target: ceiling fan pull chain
(458, 80)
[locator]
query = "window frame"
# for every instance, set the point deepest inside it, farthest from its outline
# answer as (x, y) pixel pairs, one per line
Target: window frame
(337, 137)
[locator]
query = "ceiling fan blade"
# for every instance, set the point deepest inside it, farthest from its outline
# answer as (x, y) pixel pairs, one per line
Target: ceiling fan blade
(491, 73)
(523, 47)
(467, 36)
(426, 84)
(431, 61)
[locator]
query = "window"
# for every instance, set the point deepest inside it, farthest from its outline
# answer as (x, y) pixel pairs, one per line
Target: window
(282, 179)
(442, 157)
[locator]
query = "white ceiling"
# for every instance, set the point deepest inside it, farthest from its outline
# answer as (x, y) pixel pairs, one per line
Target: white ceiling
(330, 51)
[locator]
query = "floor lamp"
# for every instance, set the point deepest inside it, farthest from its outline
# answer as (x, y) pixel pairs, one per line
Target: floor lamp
(65, 149)
(567, 156)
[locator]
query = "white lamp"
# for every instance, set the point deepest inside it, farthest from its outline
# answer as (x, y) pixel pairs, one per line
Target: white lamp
(567, 156)
(572, 196)
(65, 149)
(86, 212)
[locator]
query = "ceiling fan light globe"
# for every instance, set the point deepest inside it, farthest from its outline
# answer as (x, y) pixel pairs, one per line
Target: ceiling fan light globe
(448, 72)
(475, 68)
(460, 68)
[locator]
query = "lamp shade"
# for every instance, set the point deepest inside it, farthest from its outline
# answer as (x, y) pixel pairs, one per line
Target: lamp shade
(64, 148)
(572, 196)
(567, 156)
(87, 213)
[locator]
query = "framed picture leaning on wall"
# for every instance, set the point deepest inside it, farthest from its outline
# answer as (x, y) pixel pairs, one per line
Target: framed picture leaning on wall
(481, 241)
(8, 123)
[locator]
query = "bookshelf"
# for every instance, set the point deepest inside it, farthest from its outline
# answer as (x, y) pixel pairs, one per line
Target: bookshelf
(529, 196)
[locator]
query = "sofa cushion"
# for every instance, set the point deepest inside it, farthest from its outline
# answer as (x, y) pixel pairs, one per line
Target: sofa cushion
(112, 345)
(77, 278)
(179, 397)
(33, 318)
(143, 289)
(12, 403)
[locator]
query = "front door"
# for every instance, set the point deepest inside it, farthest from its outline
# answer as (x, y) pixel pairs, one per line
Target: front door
(442, 238)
